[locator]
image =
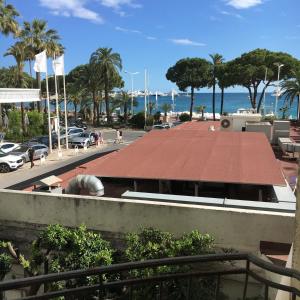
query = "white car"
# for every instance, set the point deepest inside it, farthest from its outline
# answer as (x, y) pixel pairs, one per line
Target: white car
(8, 147)
(9, 162)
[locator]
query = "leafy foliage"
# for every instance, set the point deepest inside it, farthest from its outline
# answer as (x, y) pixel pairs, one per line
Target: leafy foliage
(36, 123)
(291, 90)
(14, 126)
(184, 117)
(5, 265)
(249, 70)
(190, 72)
(166, 107)
(151, 243)
(138, 120)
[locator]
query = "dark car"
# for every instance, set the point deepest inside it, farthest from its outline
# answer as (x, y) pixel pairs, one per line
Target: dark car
(45, 140)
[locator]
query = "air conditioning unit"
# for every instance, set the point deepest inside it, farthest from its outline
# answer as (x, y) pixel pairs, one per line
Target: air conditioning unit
(226, 123)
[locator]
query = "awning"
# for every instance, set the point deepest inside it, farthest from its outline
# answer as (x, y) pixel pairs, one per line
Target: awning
(19, 95)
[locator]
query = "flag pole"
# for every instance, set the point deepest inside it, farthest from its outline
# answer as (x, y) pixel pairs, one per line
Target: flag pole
(66, 113)
(57, 111)
(145, 98)
(49, 113)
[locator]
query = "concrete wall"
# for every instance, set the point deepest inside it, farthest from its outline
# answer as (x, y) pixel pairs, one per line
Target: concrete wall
(241, 229)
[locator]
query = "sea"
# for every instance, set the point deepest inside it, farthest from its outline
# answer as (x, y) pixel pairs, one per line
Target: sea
(232, 102)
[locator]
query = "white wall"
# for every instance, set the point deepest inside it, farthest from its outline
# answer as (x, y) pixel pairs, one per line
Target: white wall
(242, 229)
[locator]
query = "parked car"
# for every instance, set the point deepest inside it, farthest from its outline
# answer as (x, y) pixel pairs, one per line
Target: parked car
(8, 146)
(72, 132)
(85, 139)
(45, 140)
(39, 151)
(161, 126)
(9, 162)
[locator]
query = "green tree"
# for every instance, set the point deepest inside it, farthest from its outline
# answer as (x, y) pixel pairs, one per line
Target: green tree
(166, 107)
(224, 81)
(124, 100)
(249, 70)
(18, 51)
(291, 90)
(190, 72)
(8, 23)
(150, 243)
(217, 59)
(106, 66)
(59, 249)
(200, 109)
(38, 38)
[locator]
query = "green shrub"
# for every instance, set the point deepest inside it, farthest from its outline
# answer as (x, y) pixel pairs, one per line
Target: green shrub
(149, 121)
(138, 120)
(184, 117)
(14, 132)
(5, 265)
(36, 123)
(157, 117)
(151, 243)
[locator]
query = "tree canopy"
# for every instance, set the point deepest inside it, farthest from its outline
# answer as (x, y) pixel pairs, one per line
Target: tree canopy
(190, 72)
(249, 70)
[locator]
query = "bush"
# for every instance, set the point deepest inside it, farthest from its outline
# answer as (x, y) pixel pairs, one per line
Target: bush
(150, 121)
(14, 132)
(157, 117)
(138, 120)
(36, 123)
(151, 243)
(184, 117)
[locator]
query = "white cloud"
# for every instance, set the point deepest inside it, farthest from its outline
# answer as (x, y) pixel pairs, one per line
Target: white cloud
(226, 13)
(243, 4)
(151, 38)
(186, 42)
(74, 8)
(117, 4)
(292, 37)
(122, 29)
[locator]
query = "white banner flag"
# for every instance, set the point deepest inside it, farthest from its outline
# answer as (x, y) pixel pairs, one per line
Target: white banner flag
(40, 64)
(58, 66)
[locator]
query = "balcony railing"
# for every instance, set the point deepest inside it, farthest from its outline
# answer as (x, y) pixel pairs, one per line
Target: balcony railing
(154, 279)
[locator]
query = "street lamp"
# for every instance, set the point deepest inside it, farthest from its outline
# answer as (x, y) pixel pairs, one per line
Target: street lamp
(131, 76)
(279, 65)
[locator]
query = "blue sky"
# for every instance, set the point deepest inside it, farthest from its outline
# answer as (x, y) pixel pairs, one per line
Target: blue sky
(154, 34)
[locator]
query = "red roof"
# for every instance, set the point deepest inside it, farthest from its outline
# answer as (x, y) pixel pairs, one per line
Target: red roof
(194, 155)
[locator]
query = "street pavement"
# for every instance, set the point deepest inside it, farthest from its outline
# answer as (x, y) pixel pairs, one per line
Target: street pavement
(68, 158)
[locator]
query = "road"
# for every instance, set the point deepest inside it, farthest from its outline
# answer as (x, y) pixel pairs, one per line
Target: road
(68, 160)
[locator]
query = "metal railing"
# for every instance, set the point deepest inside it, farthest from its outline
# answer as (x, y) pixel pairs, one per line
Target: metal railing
(136, 280)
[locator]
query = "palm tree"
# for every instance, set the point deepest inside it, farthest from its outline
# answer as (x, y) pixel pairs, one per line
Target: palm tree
(18, 51)
(201, 109)
(125, 101)
(107, 65)
(291, 90)
(223, 76)
(151, 107)
(8, 23)
(166, 107)
(38, 38)
(217, 59)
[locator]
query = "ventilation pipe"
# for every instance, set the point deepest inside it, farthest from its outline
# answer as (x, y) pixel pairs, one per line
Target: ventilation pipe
(89, 183)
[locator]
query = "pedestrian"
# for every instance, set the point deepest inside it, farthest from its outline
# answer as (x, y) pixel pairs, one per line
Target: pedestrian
(117, 140)
(121, 137)
(101, 140)
(31, 156)
(96, 138)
